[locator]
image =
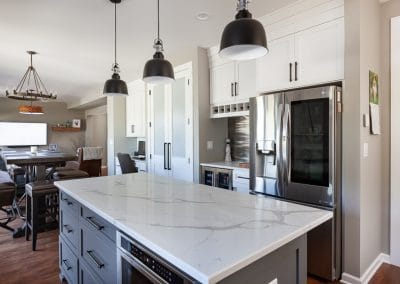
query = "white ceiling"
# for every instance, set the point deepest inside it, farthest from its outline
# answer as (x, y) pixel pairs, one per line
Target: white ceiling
(75, 37)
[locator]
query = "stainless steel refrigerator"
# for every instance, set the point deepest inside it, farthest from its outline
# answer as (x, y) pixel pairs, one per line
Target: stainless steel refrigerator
(295, 154)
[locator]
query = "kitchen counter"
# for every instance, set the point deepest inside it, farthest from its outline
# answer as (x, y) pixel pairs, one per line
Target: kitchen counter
(225, 165)
(209, 234)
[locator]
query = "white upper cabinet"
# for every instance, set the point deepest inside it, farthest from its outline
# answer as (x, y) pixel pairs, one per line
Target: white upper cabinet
(274, 69)
(320, 53)
(245, 80)
(309, 57)
(222, 80)
(135, 109)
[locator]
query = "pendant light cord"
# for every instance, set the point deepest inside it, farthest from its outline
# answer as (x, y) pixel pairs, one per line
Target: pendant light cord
(115, 33)
(158, 20)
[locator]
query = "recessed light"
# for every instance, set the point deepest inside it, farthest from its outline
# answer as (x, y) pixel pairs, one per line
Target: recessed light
(202, 16)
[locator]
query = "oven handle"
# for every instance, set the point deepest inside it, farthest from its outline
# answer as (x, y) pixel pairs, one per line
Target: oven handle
(137, 264)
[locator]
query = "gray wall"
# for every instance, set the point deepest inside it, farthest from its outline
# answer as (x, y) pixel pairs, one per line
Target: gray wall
(205, 129)
(365, 179)
(116, 131)
(55, 112)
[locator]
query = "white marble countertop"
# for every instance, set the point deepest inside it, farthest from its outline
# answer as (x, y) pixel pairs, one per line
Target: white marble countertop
(208, 233)
(225, 165)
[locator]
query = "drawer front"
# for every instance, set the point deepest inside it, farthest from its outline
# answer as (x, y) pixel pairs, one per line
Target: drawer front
(86, 276)
(99, 253)
(69, 227)
(67, 203)
(94, 221)
(68, 263)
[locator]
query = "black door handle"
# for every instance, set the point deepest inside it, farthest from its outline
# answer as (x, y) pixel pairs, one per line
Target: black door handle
(290, 72)
(94, 259)
(165, 157)
(169, 156)
(232, 92)
(295, 70)
(94, 224)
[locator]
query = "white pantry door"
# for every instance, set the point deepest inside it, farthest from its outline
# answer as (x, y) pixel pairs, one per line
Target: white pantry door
(395, 142)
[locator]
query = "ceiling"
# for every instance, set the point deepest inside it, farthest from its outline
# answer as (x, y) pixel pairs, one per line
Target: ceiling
(74, 38)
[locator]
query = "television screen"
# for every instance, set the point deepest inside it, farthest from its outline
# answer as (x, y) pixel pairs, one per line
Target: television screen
(23, 134)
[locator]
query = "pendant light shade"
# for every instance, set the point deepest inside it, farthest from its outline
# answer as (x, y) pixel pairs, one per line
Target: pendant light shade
(115, 86)
(30, 109)
(158, 70)
(244, 38)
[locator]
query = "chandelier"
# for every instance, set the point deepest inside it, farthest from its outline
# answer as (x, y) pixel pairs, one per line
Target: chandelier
(31, 87)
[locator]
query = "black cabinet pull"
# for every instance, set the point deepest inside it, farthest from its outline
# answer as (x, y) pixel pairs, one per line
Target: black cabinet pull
(290, 72)
(232, 92)
(169, 156)
(236, 92)
(94, 259)
(94, 223)
(65, 262)
(68, 228)
(165, 157)
(295, 70)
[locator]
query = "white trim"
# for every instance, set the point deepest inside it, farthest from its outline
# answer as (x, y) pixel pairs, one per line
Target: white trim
(395, 140)
(364, 279)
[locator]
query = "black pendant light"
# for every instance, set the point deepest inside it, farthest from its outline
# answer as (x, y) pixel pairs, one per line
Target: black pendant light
(244, 38)
(115, 86)
(158, 70)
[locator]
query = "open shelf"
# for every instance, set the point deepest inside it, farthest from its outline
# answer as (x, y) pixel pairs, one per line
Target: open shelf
(65, 129)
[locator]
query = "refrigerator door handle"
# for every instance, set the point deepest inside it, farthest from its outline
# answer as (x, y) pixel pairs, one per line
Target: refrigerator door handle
(286, 144)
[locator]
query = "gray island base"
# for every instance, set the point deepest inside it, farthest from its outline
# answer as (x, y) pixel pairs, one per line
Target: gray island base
(209, 235)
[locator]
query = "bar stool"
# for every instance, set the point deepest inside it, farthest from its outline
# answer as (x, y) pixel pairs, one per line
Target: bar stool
(41, 208)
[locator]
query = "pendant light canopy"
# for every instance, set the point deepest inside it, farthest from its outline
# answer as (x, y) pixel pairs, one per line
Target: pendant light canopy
(158, 70)
(115, 86)
(244, 38)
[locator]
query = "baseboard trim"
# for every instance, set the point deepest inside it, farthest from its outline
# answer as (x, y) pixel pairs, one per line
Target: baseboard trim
(364, 279)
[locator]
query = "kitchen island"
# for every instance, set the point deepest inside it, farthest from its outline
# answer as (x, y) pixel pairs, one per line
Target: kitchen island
(209, 234)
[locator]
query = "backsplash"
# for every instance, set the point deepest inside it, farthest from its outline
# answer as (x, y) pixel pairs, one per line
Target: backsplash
(239, 133)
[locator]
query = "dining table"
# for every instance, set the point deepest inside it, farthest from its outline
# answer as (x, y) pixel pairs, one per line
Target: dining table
(35, 165)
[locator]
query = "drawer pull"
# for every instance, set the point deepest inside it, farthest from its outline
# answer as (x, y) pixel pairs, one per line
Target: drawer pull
(94, 259)
(96, 225)
(67, 201)
(66, 264)
(243, 177)
(68, 228)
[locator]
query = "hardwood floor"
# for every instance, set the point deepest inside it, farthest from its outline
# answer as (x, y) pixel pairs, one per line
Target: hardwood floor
(20, 265)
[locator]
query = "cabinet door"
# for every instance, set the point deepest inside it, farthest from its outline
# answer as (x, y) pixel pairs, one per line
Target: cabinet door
(320, 53)
(160, 130)
(222, 83)
(246, 80)
(273, 70)
(135, 109)
(181, 147)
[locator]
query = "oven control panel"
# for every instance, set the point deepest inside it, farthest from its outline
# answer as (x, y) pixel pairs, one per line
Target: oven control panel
(155, 264)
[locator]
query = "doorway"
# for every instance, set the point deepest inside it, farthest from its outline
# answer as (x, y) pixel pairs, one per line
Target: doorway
(96, 133)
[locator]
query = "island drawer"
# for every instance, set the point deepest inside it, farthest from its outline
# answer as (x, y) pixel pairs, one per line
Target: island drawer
(99, 253)
(67, 203)
(99, 224)
(69, 227)
(86, 276)
(68, 263)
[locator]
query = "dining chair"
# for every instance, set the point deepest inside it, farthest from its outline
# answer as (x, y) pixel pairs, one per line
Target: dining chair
(127, 164)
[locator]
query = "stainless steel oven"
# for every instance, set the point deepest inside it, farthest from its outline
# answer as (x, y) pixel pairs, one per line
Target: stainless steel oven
(138, 265)
(217, 177)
